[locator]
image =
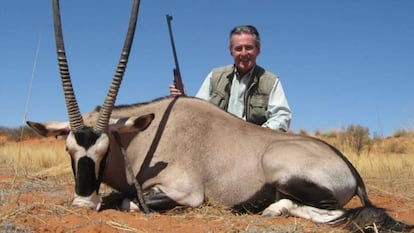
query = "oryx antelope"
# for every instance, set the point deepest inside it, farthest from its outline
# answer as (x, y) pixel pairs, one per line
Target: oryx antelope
(183, 151)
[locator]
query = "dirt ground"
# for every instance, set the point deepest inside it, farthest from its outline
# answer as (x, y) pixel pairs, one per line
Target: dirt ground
(44, 205)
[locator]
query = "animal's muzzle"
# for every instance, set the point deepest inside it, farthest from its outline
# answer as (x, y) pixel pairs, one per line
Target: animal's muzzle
(92, 202)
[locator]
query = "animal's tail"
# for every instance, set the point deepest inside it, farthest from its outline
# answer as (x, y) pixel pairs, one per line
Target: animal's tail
(370, 218)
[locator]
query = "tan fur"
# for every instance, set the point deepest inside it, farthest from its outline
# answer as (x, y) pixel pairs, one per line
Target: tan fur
(211, 153)
(194, 151)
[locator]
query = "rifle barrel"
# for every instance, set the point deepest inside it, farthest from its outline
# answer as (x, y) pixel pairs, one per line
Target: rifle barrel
(177, 75)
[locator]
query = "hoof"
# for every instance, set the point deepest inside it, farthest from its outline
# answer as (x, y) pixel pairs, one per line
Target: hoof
(268, 213)
(91, 202)
(283, 212)
(279, 208)
(129, 206)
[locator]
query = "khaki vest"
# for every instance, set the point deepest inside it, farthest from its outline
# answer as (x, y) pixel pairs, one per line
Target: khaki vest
(256, 97)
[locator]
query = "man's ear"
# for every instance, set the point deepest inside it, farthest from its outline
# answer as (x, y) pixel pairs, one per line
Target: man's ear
(231, 53)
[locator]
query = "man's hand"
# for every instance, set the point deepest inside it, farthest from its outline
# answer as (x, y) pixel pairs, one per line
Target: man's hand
(174, 91)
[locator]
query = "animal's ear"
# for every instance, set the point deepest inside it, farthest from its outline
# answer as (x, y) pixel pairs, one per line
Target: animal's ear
(51, 128)
(131, 124)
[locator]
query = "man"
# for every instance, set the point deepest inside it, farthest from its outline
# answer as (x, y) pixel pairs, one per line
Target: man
(245, 89)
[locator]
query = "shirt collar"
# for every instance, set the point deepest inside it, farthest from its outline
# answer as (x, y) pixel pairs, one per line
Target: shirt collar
(248, 74)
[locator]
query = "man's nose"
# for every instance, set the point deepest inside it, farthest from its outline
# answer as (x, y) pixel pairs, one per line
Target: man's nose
(244, 52)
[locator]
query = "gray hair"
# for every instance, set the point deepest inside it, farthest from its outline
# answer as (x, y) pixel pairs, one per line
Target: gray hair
(250, 29)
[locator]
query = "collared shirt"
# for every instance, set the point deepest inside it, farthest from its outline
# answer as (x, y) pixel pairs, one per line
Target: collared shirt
(278, 113)
(238, 89)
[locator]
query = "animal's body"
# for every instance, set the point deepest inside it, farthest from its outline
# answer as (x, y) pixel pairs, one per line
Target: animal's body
(183, 151)
(197, 151)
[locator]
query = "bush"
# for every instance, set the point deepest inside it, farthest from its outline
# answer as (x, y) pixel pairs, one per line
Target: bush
(16, 134)
(303, 132)
(402, 133)
(357, 138)
(396, 148)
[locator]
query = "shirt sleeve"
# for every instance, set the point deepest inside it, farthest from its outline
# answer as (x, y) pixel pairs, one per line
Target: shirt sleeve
(278, 113)
(204, 91)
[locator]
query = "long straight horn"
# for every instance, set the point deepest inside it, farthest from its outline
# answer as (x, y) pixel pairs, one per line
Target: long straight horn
(75, 118)
(108, 105)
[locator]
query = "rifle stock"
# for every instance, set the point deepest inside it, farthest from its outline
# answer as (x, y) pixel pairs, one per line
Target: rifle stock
(177, 75)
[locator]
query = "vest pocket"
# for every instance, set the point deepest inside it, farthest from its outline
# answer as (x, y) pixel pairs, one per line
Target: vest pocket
(257, 105)
(218, 99)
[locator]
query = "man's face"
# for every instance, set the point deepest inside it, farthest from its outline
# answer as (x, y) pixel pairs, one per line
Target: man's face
(244, 51)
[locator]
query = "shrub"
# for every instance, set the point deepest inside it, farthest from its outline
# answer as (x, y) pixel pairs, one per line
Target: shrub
(396, 148)
(18, 134)
(357, 138)
(303, 132)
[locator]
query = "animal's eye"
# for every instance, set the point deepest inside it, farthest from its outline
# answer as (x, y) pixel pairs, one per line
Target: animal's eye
(71, 152)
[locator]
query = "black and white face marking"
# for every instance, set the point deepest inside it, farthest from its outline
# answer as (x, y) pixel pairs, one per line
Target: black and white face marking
(88, 150)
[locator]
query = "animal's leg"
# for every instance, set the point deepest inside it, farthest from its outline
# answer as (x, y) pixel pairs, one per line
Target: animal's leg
(286, 207)
(305, 199)
(129, 205)
(279, 208)
(311, 193)
(157, 200)
(154, 198)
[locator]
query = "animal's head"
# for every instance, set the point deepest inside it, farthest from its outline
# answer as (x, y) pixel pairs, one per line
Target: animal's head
(88, 149)
(88, 146)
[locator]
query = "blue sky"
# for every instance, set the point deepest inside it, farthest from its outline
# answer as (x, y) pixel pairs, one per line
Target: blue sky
(341, 62)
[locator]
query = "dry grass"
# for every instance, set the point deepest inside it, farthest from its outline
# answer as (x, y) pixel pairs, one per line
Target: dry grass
(394, 173)
(38, 157)
(388, 170)
(46, 159)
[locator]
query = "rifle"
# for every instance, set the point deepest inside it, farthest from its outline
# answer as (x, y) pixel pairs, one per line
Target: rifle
(177, 75)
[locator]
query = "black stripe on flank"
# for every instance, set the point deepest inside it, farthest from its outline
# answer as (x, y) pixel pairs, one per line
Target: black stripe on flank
(309, 193)
(258, 202)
